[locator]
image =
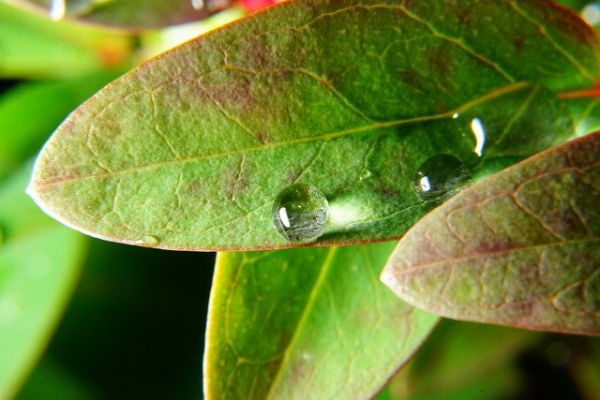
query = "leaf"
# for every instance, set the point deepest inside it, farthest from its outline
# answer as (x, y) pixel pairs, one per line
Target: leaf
(34, 47)
(466, 357)
(129, 14)
(192, 148)
(39, 261)
(518, 249)
(50, 103)
(307, 323)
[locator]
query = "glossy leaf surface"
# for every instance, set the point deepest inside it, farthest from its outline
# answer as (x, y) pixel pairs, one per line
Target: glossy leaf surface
(519, 249)
(307, 323)
(39, 261)
(192, 148)
(129, 14)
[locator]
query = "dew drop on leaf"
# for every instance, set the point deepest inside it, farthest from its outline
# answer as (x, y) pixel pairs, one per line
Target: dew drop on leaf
(300, 213)
(148, 241)
(440, 174)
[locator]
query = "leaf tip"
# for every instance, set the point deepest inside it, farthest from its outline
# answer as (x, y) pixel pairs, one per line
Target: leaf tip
(388, 278)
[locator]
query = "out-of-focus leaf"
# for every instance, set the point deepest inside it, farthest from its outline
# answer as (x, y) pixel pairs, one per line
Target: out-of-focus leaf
(30, 112)
(33, 47)
(39, 261)
(457, 361)
(190, 150)
(134, 324)
(307, 323)
(128, 14)
(518, 249)
(584, 366)
(51, 381)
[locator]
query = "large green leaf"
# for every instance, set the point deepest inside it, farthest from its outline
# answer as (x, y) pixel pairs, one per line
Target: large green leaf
(132, 14)
(519, 249)
(190, 150)
(307, 323)
(39, 261)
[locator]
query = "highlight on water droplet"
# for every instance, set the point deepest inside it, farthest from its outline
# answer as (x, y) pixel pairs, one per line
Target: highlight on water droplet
(58, 9)
(148, 241)
(300, 213)
(479, 133)
(198, 4)
(439, 175)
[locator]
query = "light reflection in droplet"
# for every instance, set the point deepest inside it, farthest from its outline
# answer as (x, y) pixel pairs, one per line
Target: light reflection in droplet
(591, 13)
(479, 132)
(425, 184)
(58, 9)
(198, 4)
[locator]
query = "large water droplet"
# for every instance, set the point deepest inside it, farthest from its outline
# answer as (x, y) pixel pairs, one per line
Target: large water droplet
(148, 241)
(441, 174)
(300, 212)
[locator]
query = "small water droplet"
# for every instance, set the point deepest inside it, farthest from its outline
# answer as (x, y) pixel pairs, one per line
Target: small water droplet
(441, 174)
(300, 212)
(148, 241)
(366, 174)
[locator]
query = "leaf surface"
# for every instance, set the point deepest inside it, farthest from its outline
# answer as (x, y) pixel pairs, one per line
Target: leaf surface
(39, 261)
(307, 323)
(129, 14)
(519, 249)
(467, 358)
(192, 148)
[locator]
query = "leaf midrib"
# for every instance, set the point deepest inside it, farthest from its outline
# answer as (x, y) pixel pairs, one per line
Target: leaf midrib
(327, 264)
(504, 90)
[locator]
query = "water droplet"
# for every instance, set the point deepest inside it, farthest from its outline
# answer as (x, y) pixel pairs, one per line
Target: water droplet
(300, 212)
(148, 241)
(441, 174)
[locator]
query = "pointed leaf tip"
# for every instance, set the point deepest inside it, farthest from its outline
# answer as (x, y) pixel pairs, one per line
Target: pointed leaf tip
(518, 249)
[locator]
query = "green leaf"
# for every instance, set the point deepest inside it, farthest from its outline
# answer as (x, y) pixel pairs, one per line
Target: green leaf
(466, 357)
(518, 249)
(33, 47)
(307, 323)
(192, 148)
(130, 14)
(39, 261)
(50, 102)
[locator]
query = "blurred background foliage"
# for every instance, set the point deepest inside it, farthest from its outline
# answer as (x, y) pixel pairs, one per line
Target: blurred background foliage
(86, 319)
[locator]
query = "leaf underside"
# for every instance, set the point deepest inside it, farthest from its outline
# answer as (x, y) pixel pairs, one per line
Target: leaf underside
(307, 323)
(192, 148)
(519, 249)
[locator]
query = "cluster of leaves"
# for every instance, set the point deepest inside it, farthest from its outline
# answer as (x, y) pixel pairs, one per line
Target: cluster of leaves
(189, 150)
